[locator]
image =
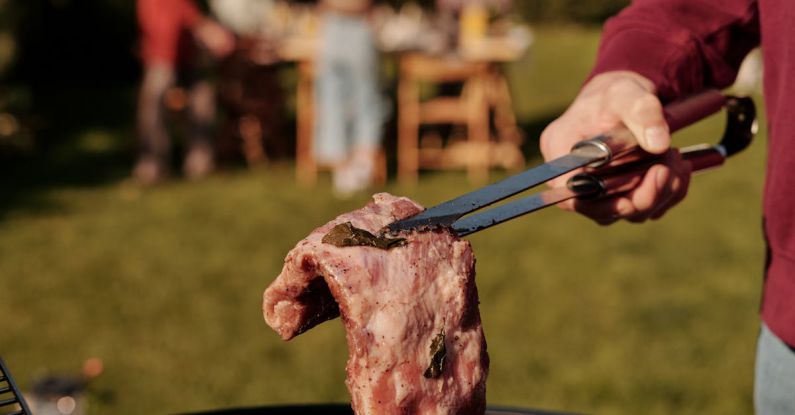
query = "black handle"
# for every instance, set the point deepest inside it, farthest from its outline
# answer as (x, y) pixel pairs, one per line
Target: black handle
(620, 142)
(616, 179)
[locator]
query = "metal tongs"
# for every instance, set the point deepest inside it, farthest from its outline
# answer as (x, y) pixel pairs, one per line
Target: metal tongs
(600, 178)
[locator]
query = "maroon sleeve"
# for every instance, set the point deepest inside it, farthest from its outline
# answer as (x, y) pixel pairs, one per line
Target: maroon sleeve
(680, 45)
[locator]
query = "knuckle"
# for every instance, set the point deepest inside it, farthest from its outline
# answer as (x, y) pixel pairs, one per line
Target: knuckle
(620, 87)
(647, 106)
(547, 138)
(650, 102)
(644, 206)
(567, 206)
(549, 133)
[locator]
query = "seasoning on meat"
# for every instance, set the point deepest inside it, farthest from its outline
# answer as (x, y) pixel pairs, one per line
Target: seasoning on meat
(345, 234)
(394, 303)
(438, 353)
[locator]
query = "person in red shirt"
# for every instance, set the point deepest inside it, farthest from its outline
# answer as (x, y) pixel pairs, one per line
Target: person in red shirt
(171, 30)
(657, 50)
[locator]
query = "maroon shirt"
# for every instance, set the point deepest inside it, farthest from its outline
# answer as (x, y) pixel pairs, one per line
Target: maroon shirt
(686, 45)
(165, 27)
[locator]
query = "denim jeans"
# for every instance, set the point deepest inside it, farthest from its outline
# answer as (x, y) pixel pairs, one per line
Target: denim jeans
(349, 107)
(774, 385)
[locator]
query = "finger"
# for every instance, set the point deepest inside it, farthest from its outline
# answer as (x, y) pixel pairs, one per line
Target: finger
(667, 199)
(674, 162)
(567, 205)
(650, 192)
(678, 193)
(683, 172)
(641, 111)
(651, 188)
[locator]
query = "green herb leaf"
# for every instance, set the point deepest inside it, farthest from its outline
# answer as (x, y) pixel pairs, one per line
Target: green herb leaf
(438, 353)
(345, 234)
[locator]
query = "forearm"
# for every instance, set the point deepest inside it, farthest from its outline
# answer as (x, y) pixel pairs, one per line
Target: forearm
(680, 45)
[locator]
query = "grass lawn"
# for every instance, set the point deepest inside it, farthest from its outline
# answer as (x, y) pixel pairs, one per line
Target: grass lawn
(165, 284)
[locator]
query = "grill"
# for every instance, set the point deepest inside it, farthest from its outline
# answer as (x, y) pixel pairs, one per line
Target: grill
(342, 409)
(13, 403)
(11, 400)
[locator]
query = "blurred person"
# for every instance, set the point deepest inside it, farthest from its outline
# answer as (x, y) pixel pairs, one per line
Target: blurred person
(244, 17)
(450, 12)
(657, 50)
(457, 5)
(249, 89)
(171, 30)
(349, 108)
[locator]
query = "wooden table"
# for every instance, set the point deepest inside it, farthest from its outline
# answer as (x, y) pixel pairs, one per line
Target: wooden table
(485, 92)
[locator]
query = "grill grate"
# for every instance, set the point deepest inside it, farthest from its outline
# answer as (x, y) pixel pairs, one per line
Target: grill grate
(10, 397)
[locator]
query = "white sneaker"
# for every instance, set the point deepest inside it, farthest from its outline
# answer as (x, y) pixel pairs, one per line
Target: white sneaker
(356, 175)
(149, 170)
(198, 163)
(345, 184)
(362, 165)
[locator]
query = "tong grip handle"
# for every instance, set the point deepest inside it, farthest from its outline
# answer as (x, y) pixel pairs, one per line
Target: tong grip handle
(620, 141)
(624, 176)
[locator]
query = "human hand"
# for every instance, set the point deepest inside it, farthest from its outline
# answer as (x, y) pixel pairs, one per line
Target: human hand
(219, 41)
(608, 101)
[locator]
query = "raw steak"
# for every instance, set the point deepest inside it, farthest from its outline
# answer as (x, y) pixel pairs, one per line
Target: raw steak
(415, 340)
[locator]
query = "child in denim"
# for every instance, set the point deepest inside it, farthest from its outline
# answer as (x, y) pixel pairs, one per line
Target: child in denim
(349, 114)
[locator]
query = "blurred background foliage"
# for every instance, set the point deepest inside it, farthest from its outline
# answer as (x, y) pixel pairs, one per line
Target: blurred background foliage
(572, 11)
(46, 40)
(93, 43)
(582, 12)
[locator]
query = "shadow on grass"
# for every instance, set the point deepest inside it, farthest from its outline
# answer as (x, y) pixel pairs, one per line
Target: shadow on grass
(83, 139)
(86, 140)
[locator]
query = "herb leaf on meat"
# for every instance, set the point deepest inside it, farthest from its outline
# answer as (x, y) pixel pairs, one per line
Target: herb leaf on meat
(438, 353)
(345, 234)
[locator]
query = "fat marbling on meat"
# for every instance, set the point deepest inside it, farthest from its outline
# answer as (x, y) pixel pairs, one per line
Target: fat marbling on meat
(410, 312)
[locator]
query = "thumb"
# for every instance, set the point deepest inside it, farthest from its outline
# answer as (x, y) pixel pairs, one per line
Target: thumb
(642, 113)
(646, 120)
(655, 138)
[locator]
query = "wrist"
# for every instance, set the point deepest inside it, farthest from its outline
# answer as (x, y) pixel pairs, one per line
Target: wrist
(605, 79)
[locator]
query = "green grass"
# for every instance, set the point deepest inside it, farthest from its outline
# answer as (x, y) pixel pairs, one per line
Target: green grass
(165, 284)
(551, 74)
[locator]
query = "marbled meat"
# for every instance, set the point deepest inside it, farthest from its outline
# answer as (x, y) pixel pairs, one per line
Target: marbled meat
(415, 340)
